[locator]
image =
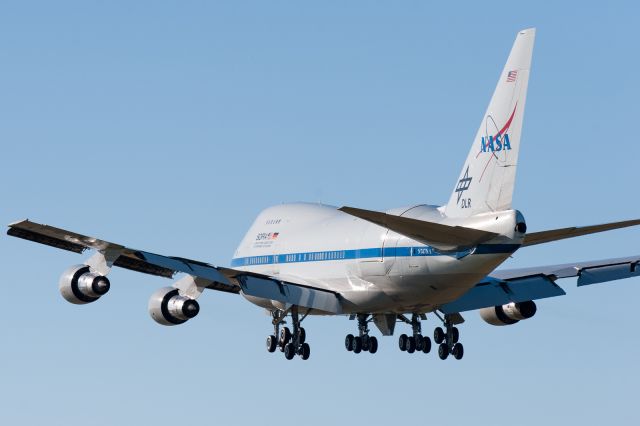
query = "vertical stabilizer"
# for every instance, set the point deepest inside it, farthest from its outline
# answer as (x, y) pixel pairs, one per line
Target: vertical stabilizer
(487, 178)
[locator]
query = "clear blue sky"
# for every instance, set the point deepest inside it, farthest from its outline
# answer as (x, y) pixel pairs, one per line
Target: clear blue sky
(168, 126)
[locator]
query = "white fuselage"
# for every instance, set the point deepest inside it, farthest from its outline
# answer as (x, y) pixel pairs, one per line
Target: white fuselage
(375, 270)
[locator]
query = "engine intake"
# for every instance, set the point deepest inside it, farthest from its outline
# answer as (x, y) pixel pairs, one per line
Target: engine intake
(168, 307)
(508, 314)
(78, 285)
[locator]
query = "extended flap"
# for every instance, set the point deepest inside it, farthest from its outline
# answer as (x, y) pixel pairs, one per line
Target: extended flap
(495, 292)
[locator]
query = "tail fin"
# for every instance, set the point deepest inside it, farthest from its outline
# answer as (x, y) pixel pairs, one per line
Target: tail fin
(488, 176)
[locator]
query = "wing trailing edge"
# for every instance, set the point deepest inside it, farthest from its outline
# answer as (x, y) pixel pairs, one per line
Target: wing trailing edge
(525, 284)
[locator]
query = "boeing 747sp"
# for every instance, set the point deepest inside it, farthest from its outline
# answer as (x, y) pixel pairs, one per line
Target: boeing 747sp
(376, 267)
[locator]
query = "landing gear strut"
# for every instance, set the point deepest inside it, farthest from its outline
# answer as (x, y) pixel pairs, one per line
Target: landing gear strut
(448, 339)
(291, 343)
(415, 342)
(361, 342)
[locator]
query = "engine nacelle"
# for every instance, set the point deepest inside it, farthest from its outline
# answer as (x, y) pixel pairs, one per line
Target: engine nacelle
(508, 314)
(78, 285)
(168, 307)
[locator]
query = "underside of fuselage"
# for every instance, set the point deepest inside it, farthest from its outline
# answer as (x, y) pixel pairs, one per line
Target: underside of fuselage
(374, 269)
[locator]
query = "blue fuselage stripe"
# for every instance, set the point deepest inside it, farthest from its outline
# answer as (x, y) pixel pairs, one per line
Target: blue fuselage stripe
(366, 253)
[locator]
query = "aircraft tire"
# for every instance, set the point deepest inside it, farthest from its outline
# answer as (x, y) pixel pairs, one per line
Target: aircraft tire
(411, 344)
(348, 342)
(438, 335)
(457, 351)
(289, 351)
(365, 342)
(402, 342)
(357, 345)
(455, 335)
(419, 342)
(426, 345)
(272, 343)
(373, 345)
(443, 351)
(285, 336)
(305, 351)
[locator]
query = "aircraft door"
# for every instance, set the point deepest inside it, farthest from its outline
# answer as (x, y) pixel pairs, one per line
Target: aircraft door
(376, 252)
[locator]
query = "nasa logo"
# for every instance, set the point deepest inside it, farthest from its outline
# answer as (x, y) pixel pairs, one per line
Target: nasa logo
(267, 236)
(495, 143)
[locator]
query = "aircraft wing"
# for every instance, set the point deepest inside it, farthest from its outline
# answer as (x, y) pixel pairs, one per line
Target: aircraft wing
(216, 278)
(520, 285)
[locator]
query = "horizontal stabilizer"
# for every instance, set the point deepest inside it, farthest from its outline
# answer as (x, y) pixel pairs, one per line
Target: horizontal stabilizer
(442, 237)
(560, 234)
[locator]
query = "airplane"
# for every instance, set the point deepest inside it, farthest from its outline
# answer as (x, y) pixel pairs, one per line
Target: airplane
(380, 268)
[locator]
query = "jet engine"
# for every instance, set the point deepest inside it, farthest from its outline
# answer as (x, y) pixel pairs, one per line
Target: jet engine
(78, 285)
(508, 314)
(168, 307)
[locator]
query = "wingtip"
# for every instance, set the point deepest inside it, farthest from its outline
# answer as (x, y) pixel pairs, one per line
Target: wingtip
(18, 222)
(347, 209)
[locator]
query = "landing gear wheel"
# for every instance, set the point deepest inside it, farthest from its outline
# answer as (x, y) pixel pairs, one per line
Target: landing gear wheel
(411, 344)
(373, 345)
(285, 336)
(305, 351)
(455, 335)
(426, 345)
(348, 342)
(272, 342)
(365, 342)
(289, 351)
(457, 351)
(402, 342)
(443, 351)
(303, 336)
(438, 335)
(419, 342)
(357, 344)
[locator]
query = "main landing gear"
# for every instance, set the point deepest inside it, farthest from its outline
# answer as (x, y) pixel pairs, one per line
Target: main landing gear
(292, 343)
(447, 340)
(361, 342)
(416, 342)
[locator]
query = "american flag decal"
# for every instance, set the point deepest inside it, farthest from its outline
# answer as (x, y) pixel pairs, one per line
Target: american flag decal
(511, 76)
